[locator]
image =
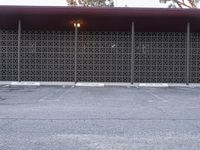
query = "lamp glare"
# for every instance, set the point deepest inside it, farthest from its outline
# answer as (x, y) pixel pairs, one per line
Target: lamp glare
(77, 25)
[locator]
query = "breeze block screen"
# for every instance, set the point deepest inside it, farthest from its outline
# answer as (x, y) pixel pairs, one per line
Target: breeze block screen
(159, 57)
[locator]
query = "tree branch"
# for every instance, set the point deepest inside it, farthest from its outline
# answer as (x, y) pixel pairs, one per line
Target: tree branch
(179, 3)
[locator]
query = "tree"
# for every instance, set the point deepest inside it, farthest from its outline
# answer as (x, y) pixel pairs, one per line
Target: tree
(91, 3)
(181, 3)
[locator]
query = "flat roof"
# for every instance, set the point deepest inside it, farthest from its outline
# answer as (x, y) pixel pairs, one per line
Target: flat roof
(104, 19)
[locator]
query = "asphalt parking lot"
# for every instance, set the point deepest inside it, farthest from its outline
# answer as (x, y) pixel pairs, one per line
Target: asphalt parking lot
(99, 118)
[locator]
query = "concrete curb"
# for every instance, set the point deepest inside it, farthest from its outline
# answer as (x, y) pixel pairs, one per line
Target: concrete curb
(99, 84)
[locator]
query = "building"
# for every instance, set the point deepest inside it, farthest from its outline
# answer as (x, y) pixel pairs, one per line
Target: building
(70, 44)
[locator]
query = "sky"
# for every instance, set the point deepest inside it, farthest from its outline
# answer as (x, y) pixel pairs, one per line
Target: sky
(118, 3)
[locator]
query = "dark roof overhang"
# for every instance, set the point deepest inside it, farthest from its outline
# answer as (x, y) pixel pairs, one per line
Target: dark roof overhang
(104, 19)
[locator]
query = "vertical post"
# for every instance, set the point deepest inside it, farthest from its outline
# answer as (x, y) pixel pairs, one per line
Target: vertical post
(132, 51)
(188, 53)
(19, 49)
(76, 38)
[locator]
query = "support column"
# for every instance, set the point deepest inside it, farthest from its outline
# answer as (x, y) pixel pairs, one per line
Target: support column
(19, 50)
(188, 54)
(132, 51)
(76, 38)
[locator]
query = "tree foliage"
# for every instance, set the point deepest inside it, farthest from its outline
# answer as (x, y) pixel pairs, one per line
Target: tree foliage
(91, 3)
(181, 3)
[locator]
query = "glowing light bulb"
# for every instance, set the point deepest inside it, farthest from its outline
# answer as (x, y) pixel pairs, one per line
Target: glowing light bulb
(77, 25)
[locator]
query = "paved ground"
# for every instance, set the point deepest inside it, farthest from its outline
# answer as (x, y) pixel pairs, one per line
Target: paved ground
(118, 118)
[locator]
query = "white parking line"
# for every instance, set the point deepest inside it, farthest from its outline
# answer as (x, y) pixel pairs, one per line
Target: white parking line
(54, 93)
(48, 95)
(158, 97)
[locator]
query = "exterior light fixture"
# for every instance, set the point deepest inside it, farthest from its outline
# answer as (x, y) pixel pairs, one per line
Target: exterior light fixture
(77, 25)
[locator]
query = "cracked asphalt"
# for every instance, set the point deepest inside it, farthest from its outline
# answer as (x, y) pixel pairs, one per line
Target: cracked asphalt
(99, 118)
